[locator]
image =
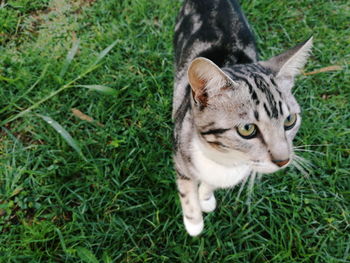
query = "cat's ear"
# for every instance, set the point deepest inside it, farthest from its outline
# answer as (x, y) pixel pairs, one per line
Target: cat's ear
(288, 64)
(205, 77)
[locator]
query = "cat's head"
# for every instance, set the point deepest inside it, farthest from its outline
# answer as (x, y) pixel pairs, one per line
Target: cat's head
(248, 112)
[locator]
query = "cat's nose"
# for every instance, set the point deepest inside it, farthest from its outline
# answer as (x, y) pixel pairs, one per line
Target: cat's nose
(280, 163)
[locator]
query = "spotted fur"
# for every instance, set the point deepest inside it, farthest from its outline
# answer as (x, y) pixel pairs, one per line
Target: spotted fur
(221, 85)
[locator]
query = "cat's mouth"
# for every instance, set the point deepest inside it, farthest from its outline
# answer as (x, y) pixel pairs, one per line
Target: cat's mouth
(268, 167)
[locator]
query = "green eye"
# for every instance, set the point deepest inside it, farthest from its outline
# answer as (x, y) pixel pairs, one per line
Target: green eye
(247, 131)
(290, 122)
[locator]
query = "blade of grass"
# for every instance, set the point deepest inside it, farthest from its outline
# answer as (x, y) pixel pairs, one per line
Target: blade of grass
(86, 255)
(63, 243)
(99, 88)
(70, 56)
(64, 133)
(7, 79)
(104, 52)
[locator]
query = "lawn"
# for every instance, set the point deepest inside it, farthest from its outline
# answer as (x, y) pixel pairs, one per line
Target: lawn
(85, 139)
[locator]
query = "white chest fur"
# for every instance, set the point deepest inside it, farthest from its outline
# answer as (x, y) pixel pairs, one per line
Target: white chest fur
(223, 174)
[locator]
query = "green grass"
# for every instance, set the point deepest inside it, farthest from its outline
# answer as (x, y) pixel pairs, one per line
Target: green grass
(113, 197)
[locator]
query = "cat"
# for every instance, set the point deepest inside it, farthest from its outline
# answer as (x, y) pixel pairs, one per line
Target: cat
(233, 114)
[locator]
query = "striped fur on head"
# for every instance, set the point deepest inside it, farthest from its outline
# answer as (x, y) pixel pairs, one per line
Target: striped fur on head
(257, 93)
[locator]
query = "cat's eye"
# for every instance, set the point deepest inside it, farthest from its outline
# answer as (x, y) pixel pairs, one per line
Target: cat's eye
(290, 122)
(247, 131)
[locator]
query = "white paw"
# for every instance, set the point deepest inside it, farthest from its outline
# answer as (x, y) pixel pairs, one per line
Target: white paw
(193, 229)
(208, 205)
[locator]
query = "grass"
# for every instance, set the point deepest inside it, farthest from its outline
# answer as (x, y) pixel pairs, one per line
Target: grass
(112, 197)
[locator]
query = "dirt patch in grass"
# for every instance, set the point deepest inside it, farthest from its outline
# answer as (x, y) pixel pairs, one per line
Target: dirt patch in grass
(23, 26)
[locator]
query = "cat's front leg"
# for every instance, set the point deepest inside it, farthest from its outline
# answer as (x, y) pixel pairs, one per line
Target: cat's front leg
(192, 213)
(206, 197)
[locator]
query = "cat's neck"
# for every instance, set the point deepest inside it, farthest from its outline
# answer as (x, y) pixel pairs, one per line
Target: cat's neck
(217, 169)
(231, 159)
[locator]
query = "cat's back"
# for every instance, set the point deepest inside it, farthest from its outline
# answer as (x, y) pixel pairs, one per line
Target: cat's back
(215, 29)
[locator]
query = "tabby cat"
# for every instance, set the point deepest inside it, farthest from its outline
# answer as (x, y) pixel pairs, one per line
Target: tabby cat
(233, 114)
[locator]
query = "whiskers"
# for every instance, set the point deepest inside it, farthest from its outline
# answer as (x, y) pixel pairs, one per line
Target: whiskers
(302, 165)
(250, 188)
(301, 149)
(242, 185)
(251, 180)
(310, 145)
